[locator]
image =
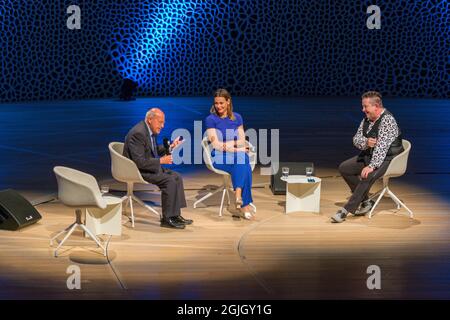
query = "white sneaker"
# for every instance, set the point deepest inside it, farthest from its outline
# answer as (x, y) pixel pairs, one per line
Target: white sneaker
(339, 216)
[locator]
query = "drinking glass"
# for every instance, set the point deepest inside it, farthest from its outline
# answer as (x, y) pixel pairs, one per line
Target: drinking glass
(309, 171)
(104, 188)
(285, 172)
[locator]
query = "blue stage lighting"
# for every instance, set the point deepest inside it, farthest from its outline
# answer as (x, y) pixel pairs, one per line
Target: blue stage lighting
(136, 54)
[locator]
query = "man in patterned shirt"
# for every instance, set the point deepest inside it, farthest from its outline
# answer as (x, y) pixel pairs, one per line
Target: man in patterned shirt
(379, 139)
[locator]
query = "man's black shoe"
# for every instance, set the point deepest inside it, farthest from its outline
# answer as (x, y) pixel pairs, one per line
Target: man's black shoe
(180, 219)
(172, 222)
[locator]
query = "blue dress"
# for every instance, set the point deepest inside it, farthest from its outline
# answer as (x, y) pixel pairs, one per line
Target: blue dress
(237, 164)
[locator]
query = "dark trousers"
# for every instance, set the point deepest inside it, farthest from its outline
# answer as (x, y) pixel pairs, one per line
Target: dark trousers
(172, 191)
(351, 172)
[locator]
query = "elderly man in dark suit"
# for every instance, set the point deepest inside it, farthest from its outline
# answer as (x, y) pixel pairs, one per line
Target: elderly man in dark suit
(141, 147)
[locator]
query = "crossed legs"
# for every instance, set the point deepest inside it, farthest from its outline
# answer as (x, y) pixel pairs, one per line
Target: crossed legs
(351, 172)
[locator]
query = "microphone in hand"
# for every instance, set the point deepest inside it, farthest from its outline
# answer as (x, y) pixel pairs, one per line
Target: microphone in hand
(372, 141)
(166, 144)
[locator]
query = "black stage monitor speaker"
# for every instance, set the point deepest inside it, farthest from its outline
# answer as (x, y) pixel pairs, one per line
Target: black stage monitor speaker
(15, 211)
(277, 185)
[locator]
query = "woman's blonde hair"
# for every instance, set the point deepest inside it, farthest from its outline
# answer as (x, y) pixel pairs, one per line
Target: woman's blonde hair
(223, 93)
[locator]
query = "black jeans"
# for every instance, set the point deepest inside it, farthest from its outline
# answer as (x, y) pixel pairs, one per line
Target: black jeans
(350, 170)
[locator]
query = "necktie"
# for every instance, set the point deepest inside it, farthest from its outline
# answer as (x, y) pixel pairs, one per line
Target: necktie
(153, 139)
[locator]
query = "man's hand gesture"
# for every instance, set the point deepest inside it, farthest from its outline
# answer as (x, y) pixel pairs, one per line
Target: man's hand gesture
(371, 142)
(176, 142)
(166, 159)
(366, 171)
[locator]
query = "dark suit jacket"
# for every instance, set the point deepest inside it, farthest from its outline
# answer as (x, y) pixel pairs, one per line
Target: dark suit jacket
(138, 148)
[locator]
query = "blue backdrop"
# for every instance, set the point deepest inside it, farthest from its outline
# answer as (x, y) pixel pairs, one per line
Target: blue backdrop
(179, 48)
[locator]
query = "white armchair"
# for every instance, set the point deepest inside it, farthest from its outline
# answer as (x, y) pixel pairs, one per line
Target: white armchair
(397, 168)
(125, 170)
(80, 190)
(226, 185)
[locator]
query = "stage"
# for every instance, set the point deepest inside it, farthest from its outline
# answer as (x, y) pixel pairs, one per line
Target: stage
(276, 256)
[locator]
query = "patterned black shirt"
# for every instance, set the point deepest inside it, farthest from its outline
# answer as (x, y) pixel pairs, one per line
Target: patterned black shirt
(388, 132)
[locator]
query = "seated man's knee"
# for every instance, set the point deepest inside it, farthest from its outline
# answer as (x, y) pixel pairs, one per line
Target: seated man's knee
(168, 180)
(342, 167)
(349, 167)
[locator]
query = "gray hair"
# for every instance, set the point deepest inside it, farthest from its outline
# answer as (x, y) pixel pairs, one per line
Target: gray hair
(375, 96)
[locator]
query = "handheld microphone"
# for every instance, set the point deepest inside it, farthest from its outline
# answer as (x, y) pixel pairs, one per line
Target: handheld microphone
(166, 144)
(372, 135)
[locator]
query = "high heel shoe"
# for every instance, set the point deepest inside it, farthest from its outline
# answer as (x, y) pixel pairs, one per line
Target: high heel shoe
(238, 203)
(248, 215)
(253, 209)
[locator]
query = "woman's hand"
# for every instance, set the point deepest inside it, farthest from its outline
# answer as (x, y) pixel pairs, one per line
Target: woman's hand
(242, 149)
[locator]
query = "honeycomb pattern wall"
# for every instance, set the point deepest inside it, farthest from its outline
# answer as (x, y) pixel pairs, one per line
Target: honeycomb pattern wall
(182, 48)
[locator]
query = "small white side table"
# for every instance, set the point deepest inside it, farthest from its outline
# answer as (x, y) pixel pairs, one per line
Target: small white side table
(302, 195)
(108, 220)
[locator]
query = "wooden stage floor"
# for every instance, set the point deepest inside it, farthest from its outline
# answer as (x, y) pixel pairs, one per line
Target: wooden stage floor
(276, 256)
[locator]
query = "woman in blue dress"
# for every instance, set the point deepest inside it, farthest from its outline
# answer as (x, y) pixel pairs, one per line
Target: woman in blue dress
(225, 131)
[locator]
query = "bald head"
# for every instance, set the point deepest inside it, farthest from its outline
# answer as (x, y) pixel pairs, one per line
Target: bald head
(155, 119)
(154, 112)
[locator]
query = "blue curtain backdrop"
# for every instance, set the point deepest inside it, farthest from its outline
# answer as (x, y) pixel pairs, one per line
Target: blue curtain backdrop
(183, 48)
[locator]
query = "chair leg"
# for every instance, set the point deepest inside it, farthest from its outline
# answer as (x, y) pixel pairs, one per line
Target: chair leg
(389, 194)
(60, 233)
(210, 194)
(93, 237)
(376, 202)
(145, 205)
(375, 194)
(126, 199)
(85, 229)
(228, 186)
(399, 203)
(221, 202)
(130, 201)
(74, 225)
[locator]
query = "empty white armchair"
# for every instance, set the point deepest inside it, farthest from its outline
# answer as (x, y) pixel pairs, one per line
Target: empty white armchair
(79, 190)
(227, 184)
(125, 170)
(397, 167)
